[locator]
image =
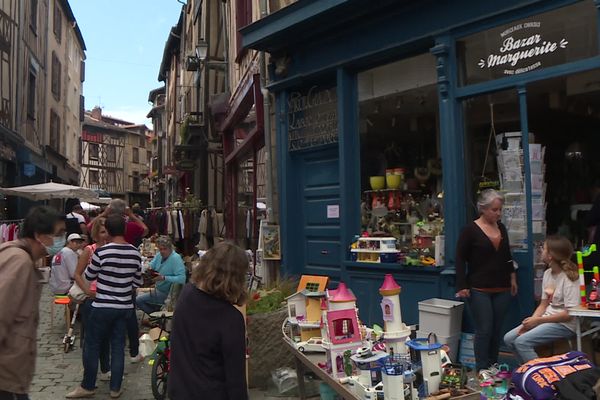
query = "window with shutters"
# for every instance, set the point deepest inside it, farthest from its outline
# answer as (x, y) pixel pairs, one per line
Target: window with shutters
(31, 89)
(94, 177)
(54, 131)
(243, 17)
(94, 151)
(136, 155)
(56, 76)
(57, 21)
(111, 154)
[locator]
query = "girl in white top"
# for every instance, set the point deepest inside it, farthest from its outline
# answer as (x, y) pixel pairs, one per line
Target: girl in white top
(560, 291)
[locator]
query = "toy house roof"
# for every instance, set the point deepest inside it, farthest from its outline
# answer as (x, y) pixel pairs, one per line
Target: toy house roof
(342, 294)
(306, 293)
(389, 286)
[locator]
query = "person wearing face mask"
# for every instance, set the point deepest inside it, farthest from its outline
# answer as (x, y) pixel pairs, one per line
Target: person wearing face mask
(20, 293)
(64, 264)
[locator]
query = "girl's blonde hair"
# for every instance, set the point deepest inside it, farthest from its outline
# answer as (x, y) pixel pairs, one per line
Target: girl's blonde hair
(223, 273)
(561, 250)
(96, 226)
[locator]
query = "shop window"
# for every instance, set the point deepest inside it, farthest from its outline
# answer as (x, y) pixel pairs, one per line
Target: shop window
(494, 157)
(246, 238)
(564, 121)
(93, 151)
(552, 38)
(111, 153)
(401, 175)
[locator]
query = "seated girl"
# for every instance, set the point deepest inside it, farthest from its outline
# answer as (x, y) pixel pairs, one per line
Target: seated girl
(560, 291)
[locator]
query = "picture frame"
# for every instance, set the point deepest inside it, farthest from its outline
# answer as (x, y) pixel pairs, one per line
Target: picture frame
(270, 244)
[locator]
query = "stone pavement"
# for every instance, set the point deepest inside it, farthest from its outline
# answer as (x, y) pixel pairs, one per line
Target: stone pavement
(58, 373)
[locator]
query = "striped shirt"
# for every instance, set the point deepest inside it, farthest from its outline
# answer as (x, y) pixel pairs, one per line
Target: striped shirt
(117, 269)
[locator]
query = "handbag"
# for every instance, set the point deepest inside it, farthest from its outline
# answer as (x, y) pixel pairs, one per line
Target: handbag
(77, 294)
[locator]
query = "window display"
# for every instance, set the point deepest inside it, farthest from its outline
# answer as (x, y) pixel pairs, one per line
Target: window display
(401, 174)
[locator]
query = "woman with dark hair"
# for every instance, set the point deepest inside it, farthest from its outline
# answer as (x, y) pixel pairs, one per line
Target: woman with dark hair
(42, 232)
(208, 341)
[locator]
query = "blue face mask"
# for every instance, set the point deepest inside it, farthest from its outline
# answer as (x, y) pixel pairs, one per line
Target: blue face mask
(59, 243)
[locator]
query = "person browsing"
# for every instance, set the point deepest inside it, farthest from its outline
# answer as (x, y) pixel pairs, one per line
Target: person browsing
(169, 268)
(64, 264)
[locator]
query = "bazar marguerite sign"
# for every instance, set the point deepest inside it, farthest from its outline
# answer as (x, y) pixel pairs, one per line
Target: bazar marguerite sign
(519, 54)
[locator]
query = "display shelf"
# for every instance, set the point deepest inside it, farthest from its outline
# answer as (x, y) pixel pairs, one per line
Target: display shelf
(410, 191)
(391, 267)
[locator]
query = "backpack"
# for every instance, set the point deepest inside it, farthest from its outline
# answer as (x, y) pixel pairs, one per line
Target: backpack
(535, 379)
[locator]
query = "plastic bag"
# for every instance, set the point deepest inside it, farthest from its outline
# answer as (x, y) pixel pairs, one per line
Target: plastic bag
(147, 345)
(285, 379)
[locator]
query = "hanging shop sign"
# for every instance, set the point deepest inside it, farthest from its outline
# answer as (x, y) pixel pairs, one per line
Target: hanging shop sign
(312, 118)
(552, 38)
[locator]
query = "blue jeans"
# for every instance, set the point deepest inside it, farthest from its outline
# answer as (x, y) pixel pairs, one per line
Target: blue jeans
(151, 301)
(488, 311)
(86, 310)
(105, 323)
(133, 334)
(523, 346)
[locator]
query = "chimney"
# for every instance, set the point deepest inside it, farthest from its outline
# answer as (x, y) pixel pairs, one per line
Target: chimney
(97, 113)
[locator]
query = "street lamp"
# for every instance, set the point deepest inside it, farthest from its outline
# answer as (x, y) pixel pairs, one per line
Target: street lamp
(201, 50)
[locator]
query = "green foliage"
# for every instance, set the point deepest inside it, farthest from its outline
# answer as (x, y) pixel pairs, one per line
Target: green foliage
(183, 132)
(270, 298)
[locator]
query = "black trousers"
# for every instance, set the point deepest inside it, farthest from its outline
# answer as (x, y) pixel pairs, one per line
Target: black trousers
(13, 396)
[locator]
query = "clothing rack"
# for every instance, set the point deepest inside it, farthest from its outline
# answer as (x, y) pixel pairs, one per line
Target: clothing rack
(11, 221)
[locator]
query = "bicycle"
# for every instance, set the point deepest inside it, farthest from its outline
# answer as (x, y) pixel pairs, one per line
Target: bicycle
(161, 361)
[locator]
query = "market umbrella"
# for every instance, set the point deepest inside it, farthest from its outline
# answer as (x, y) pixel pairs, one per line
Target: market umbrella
(50, 190)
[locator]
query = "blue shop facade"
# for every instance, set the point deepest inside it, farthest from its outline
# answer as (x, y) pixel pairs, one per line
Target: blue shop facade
(446, 96)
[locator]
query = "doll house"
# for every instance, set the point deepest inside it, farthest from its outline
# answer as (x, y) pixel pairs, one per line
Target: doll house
(304, 307)
(343, 331)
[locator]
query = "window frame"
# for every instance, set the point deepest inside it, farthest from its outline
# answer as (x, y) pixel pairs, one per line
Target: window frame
(94, 155)
(31, 94)
(57, 22)
(135, 155)
(56, 76)
(111, 153)
(54, 139)
(94, 173)
(33, 16)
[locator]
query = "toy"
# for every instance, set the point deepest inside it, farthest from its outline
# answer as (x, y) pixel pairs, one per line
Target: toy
(368, 362)
(431, 362)
(314, 344)
(304, 312)
(580, 255)
(375, 250)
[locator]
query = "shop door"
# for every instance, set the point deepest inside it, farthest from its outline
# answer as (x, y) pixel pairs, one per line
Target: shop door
(319, 227)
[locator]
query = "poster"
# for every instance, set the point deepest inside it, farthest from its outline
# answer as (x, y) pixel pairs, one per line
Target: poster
(270, 242)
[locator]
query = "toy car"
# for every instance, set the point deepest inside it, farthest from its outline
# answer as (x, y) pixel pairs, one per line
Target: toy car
(312, 344)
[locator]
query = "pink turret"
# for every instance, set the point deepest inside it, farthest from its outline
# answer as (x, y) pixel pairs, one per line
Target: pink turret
(342, 295)
(389, 287)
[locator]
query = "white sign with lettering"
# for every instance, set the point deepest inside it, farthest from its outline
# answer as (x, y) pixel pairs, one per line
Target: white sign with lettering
(514, 52)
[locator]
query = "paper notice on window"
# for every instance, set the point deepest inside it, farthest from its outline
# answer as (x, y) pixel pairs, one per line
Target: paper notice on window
(333, 211)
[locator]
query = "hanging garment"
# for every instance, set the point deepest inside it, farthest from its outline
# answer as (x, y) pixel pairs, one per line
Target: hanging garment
(202, 226)
(181, 224)
(169, 223)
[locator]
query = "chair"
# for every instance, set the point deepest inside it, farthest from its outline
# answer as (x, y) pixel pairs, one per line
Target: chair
(65, 301)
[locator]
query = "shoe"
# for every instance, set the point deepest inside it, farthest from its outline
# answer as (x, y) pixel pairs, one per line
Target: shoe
(105, 376)
(80, 393)
(136, 359)
(116, 394)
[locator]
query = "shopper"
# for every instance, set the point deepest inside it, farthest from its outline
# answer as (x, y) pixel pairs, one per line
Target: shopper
(64, 264)
(208, 341)
(485, 275)
(75, 220)
(20, 293)
(100, 237)
(560, 290)
(117, 268)
(169, 269)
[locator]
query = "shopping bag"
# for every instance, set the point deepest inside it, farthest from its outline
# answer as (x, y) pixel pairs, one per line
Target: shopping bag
(147, 345)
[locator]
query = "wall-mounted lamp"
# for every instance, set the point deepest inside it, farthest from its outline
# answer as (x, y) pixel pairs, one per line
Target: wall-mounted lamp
(201, 49)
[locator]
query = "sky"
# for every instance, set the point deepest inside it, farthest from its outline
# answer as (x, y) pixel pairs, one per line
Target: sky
(125, 40)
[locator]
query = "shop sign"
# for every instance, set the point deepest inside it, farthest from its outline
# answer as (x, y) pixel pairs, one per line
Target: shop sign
(521, 49)
(7, 152)
(312, 118)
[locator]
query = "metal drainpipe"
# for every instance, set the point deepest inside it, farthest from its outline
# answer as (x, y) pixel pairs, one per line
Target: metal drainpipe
(267, 122)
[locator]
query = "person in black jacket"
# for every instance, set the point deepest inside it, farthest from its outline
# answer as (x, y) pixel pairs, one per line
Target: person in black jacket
(208, 339)
(485, 275)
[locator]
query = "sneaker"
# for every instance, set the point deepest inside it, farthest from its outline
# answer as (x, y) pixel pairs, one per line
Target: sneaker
(105, 376)
(136, 359)
(115, 394)
(80, 393)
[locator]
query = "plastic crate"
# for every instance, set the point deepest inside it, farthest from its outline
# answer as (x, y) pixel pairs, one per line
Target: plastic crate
(444, 317)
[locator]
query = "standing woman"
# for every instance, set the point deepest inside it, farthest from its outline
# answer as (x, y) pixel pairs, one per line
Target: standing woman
(208, 340)
(485, 275)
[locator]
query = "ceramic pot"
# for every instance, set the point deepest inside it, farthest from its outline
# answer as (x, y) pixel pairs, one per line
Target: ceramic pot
(377, 182)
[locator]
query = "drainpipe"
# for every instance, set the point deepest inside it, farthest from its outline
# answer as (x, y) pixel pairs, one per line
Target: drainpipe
(267, 121)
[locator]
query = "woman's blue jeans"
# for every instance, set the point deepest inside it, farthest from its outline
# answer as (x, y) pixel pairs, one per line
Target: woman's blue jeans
(523, 346)
(86, 309)
(488, 310)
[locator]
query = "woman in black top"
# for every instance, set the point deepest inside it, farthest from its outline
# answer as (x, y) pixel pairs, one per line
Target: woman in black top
(208, 340)
(485, 275)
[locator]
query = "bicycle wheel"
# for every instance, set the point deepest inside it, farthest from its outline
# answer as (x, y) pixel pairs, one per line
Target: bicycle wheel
(158, 377)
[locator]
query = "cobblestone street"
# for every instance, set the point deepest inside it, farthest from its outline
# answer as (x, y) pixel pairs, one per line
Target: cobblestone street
(57, 372)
